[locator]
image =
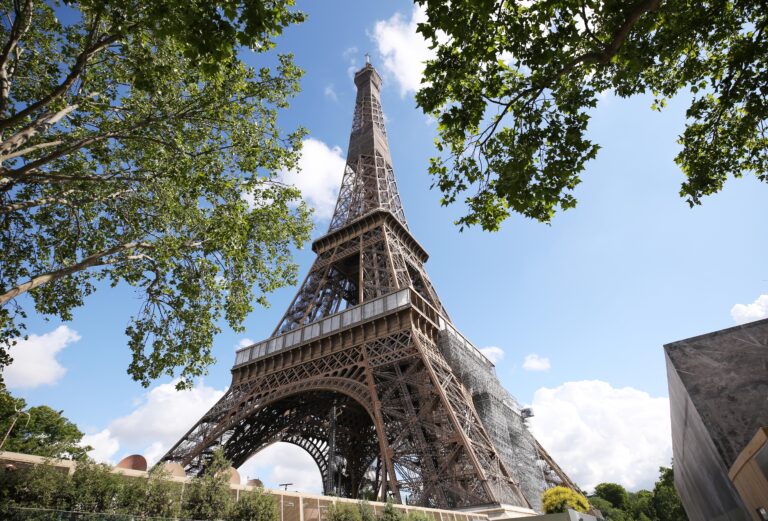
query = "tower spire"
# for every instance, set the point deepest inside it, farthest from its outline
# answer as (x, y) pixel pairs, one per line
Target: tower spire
(369, 181)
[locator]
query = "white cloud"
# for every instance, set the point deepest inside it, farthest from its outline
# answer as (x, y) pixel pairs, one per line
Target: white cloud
(507, 57)
(743, 313)
(244, 342)
(318, 176)
(160, 418)
(350, 56)
(284, 463)
(599, 433)
(493, 353)
(155, 451)
(104, 445)
(534, 362)
(330, 92)
(34, 359)
(402, 49)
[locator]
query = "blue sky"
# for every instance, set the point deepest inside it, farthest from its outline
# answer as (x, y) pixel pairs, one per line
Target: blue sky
(574, 313)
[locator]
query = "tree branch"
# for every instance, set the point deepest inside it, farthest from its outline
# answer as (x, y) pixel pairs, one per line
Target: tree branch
(602, 57)
(586, 24)
(20, 26)
(14, 207)
(60, 199)
(41, 124)
(619, 36)
(64, 86)
(52, 276)
(35, 165)
(31, 149)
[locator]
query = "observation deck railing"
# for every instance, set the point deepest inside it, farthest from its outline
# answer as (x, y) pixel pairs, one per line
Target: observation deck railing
(350, 317)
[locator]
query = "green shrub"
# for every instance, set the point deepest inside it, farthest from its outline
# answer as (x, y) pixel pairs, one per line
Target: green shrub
(560, 499)
(641, 505)
(132, 496)
(42, 486)
(391, 513)
(344, 512)
(366, 511)
(609, 512)
(208, 496)
(255, 506)
(95, 488)
(163, 495)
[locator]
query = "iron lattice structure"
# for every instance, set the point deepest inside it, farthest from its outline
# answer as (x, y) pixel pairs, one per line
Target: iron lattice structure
(365, 370)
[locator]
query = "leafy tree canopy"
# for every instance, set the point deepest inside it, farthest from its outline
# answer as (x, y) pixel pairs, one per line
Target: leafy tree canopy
(255, 505)
(614, 493)
(209, 496)
(91, 488)
(513, 83)
(661, 504)
(344, 512)
(39, 430)
(137, 149)
(666, 502)
(391, 513)
(609, 512)
(367, 513)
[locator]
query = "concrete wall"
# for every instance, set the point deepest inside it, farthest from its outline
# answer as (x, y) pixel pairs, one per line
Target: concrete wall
(717, 388)
(701, 478)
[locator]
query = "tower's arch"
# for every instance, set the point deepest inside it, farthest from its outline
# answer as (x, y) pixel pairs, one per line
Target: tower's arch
(331, 425)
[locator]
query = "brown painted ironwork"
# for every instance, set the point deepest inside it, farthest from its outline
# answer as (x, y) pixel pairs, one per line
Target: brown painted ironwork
(353, 373)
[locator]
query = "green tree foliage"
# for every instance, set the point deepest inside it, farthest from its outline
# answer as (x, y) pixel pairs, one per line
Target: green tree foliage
(366, 511)
(666, 502)
(163, 497)
(390, 513)
(560, 499)
(135, 151)
(661, 504)
(513, 83)
(610, 513)
(91, 488)
(614, 493)
(255, 506)
(38, 430)
(208, 494)
(344, 512)
(95, 488)
(641, 505)
(42, 486)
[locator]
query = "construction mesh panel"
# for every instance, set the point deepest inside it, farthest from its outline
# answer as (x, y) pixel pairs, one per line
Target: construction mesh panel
(500, 414)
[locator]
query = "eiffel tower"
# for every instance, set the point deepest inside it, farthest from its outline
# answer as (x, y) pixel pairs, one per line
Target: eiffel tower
(367, 373)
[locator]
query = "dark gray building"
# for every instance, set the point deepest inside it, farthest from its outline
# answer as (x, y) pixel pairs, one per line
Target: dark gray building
(718, 390)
